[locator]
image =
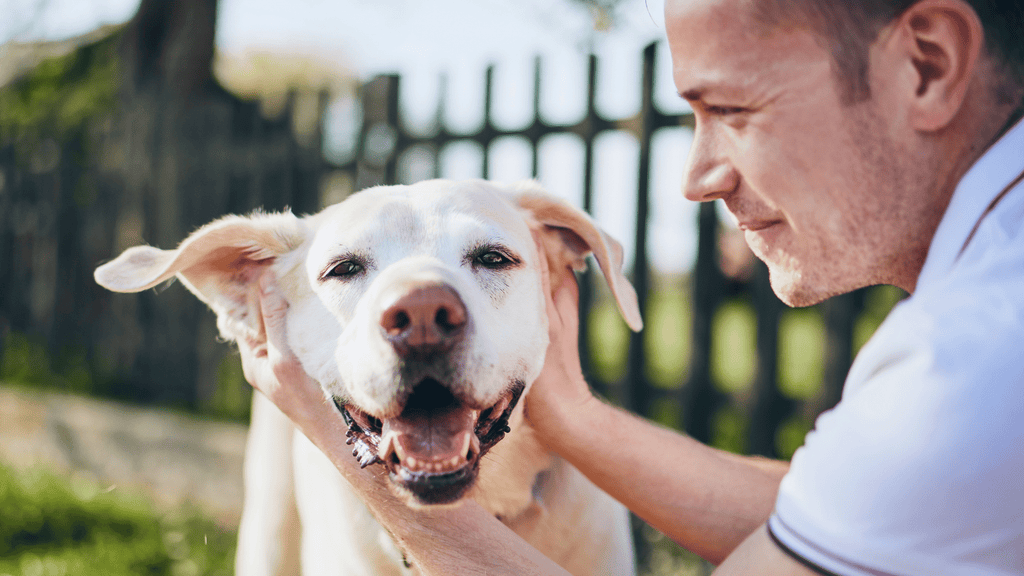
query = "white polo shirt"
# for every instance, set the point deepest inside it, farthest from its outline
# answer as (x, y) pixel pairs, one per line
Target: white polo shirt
(919, 470)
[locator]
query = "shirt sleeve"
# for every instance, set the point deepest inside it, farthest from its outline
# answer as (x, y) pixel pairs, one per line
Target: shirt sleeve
(918, 470)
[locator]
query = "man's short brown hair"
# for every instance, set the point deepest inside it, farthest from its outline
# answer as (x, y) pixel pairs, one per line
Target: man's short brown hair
(848, 27)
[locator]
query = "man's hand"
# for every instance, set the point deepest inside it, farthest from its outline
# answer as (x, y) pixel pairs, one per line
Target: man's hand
(560, 391)
(272, 368)
(269, 364)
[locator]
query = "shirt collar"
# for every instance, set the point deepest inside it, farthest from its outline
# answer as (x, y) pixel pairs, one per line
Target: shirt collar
(992, 173)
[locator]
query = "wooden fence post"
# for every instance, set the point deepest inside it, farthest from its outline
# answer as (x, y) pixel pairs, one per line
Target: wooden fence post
(639, 395)
(699, 397)
(840, 314)
(770, 407)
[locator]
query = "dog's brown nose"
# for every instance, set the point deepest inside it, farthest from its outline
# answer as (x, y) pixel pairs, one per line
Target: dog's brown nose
(427, 319)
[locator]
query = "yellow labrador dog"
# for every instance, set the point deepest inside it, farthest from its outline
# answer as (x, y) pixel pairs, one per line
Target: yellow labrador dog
(419, 309)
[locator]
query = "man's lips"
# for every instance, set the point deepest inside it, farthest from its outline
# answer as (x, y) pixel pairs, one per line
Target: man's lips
(757, 225)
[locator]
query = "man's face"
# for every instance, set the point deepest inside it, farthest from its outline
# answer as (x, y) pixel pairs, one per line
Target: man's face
(818, 186)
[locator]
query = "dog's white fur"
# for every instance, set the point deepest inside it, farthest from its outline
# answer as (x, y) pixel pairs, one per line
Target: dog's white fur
(401, 234)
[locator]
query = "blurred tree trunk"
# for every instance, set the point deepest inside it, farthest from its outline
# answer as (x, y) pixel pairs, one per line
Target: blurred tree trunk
(168, 46)
(161, 134)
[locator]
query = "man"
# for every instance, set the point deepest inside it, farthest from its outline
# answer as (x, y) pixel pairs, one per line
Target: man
(856, 143)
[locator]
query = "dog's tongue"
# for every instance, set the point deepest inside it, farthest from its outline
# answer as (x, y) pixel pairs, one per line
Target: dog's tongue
(430, 441)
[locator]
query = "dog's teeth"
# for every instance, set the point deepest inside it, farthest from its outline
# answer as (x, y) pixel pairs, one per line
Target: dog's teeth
(454, 461)
(388, 443)
(467, 439)
(411, 463)
(474, 446)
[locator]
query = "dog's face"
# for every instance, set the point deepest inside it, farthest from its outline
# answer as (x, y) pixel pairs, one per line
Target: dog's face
(437, 325)
(419, 309)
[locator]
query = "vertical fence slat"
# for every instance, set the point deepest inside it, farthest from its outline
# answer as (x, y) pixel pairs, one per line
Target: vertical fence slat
(639, 393)
(770, 407)
(840, 313)
(487, 130)
(587, 279)
(534, 131)
(699, 398)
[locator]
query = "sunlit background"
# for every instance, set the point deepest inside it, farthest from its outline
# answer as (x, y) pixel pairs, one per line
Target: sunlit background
(329, 42)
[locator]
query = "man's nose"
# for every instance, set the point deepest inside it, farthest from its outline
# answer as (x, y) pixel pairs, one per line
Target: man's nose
(426, 319)
(709, 174)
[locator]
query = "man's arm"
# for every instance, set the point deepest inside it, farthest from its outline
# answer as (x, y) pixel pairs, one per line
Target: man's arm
(705, 499)
(759, 555)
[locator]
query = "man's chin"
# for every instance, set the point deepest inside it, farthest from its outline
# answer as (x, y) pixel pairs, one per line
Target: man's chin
(795, 290)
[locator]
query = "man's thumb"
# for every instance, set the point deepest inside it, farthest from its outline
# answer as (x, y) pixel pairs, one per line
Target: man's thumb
(274, 309)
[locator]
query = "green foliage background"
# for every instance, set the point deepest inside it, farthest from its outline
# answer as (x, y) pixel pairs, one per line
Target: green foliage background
(56, 526)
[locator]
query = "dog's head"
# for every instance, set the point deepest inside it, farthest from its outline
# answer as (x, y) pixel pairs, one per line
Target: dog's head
(418, 308)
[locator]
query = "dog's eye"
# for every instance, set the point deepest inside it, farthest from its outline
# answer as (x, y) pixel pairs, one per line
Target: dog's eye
(493, 259)
(345, 269)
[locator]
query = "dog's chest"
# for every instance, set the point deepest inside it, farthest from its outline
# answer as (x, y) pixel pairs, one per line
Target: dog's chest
(341, 537)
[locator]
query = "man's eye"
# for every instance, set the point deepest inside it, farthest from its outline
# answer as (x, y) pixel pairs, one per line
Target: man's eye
(493, 259)
(345, 269)
(724, 110)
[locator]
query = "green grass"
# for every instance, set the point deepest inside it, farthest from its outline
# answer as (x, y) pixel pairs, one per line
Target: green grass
(734, 346)
(801, 353)
(56, 526)
(667, 328)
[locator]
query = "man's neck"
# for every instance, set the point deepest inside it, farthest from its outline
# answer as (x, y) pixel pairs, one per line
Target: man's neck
(968, 144)
(1015, 117)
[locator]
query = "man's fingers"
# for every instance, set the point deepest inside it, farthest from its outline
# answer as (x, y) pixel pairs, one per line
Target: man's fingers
(545, 275)
(566, 298)
(274, 309)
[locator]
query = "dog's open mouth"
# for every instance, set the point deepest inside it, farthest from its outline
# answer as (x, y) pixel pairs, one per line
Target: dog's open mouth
(433, 448)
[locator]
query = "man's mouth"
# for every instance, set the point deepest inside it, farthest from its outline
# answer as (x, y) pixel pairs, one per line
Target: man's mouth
(756, 225)
(433, 448)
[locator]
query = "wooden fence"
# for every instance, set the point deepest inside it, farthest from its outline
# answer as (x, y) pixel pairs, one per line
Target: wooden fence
(145, 168)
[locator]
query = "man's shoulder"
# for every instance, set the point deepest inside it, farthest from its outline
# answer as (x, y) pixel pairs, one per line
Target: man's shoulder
(924, 445)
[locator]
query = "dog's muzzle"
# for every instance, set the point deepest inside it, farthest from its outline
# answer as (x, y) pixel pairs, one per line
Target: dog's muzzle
(433, 448)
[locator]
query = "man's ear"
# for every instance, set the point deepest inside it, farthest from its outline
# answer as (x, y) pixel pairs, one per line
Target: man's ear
(941, 42)
(220, 263)
(567, 235)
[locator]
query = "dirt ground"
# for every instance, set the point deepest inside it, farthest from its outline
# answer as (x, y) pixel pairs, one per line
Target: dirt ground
(173, 457)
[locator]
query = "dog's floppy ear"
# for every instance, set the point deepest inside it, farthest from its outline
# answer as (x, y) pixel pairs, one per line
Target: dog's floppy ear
(568, 234)
(219, 263)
